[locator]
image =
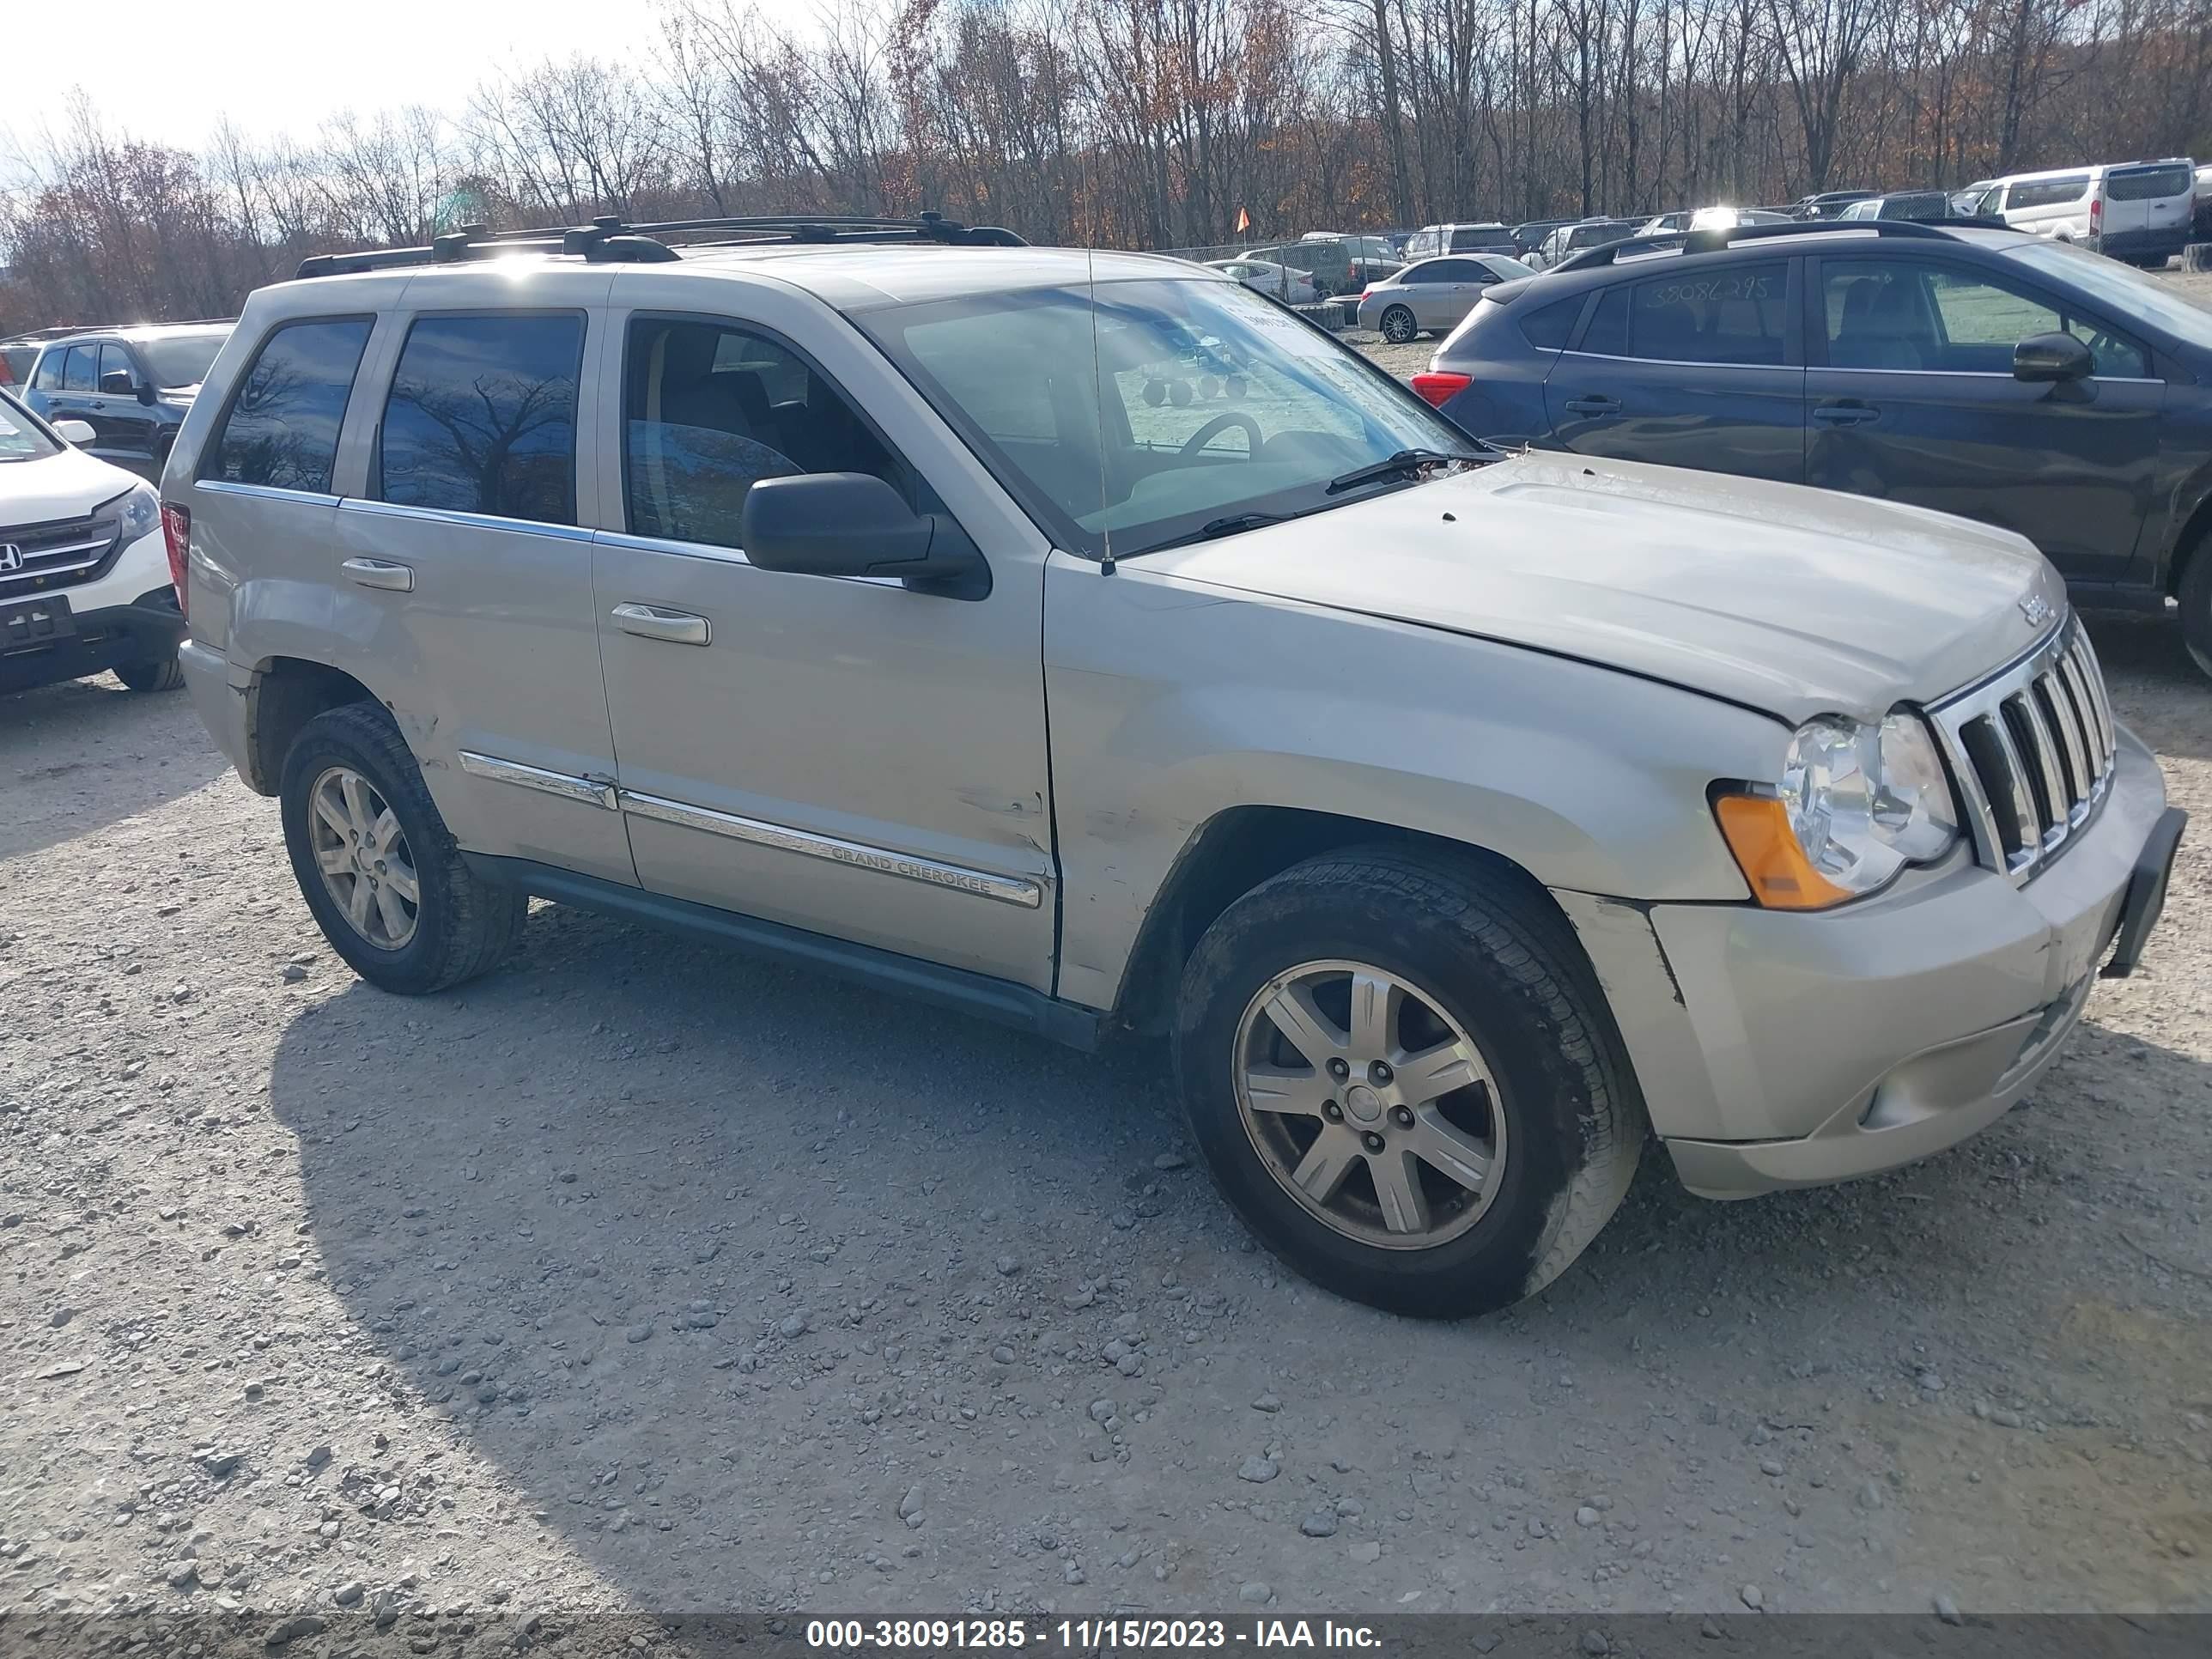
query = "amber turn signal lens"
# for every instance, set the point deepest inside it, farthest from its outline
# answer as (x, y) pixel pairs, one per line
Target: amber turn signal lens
(1757, 830)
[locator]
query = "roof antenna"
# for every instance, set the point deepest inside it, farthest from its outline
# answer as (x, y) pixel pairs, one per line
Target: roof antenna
(1098, 405)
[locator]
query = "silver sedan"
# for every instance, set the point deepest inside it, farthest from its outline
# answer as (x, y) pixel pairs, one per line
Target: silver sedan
(1286, 282)
(1433, 295)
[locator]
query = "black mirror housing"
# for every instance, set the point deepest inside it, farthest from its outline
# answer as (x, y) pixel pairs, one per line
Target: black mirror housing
(854, 523)
(116, 383)
(2052, 359)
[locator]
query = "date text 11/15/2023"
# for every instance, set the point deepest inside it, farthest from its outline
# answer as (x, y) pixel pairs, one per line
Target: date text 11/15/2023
(1085, 1635)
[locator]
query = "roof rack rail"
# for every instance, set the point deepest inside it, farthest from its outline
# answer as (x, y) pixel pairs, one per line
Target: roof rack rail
(608, 239)
(1714, 239)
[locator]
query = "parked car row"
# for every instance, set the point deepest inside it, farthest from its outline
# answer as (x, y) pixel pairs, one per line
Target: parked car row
(2000, 377)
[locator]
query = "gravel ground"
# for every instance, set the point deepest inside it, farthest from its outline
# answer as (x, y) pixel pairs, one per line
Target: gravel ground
(639, 1277)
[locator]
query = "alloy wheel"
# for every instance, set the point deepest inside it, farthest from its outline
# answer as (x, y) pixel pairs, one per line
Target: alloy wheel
(362, 854)
(1398, 326)
(1370, 1105)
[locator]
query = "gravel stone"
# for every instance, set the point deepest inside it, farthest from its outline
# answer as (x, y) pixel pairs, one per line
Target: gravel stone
(1321, 1523)
(1258, 1470)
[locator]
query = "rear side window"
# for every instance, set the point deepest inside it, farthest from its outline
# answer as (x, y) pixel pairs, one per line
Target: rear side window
(1734, 317)
(48, 376)
(1546, 328)
(482, 417)
(281, 430)
(2150, 184)
(2047, 192)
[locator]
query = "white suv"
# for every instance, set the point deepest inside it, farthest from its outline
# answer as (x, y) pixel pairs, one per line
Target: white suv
(85, 582)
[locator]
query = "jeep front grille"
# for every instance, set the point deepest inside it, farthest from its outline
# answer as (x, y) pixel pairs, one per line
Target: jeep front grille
(57, 554)
(2032, 750)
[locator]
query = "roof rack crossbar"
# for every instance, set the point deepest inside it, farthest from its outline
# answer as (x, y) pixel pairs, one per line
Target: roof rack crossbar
(609, 238)
(1713, 239)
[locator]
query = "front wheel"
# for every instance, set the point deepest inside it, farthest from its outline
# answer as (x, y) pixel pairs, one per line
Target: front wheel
(153, 674)
(1398, 327)
(376, 864)
(1401, 1077)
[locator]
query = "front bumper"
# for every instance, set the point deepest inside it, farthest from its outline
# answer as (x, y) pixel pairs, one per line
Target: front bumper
(145, 630)
(1779, 1050)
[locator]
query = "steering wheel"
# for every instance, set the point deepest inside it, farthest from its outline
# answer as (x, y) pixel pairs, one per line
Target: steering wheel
(1219, 424)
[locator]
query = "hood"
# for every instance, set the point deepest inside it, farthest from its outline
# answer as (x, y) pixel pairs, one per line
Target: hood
(64, 486)
(1792, 600)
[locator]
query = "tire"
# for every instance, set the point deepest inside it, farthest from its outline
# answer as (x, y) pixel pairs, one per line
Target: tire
(460, 926)
(1398, 327)
(155, 674)
(2195, 594)
(1565, 1124)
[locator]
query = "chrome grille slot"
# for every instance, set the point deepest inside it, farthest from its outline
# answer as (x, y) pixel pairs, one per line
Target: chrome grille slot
(2031, 748)
(58, 553)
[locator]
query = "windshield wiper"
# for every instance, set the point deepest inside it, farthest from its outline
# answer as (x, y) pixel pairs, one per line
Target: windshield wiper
(1234, 523)
(1406, 460)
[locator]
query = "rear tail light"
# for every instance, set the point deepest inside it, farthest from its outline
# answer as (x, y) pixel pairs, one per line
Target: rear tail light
(1435, 388)
(2097, 213)
(177, 537)
(1365, 294)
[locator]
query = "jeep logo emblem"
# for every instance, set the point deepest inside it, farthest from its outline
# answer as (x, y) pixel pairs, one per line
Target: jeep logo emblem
(11, 557)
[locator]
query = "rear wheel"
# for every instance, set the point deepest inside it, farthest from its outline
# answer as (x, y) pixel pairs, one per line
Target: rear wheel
(1398, 326)
(1399, 1071)
(153, 674)
(2195, 594)
(376, 864)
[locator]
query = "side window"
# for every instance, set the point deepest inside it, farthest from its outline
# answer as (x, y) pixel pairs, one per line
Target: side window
(281, 430)
(1457, 271)
(1892, 313)
(1735, 316)
(711, 409)
(81, 372)
(2048, 192)
(1546, 328)
(1431, 271)
(118, 378)
(482, 417)
(48, 376)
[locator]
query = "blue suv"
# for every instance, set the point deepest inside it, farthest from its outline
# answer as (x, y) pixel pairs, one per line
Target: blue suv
(1996, 376)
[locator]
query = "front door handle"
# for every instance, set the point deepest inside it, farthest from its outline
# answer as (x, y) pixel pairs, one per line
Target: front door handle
(653, 622)
(381, 573)
(1599, 404)
(1850, 412)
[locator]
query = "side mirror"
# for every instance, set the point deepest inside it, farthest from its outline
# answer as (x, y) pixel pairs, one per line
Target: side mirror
(854, 523)
(74, 432)
(116, 383)
(2052, 359)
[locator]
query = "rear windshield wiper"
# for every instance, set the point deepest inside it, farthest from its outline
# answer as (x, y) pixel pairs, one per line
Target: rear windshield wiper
(1405, 461)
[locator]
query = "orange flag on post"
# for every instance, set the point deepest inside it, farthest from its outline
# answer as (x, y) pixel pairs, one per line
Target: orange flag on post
(1244, 222)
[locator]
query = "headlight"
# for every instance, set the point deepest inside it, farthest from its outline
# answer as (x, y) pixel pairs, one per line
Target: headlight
(140, 511)
(1854, 806)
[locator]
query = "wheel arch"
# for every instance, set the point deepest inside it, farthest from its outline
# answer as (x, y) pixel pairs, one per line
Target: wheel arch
(2193, 541)
(285, 694)
(1239, 847)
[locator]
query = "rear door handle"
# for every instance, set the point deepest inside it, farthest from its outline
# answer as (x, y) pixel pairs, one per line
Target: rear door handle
(651, 622)
(1846, 414)
(381, 573)
(1595, 405)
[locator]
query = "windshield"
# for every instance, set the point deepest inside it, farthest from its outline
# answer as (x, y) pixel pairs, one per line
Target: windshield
(1194, 401)
(180, 359)
(20, 438)
(2126, 292)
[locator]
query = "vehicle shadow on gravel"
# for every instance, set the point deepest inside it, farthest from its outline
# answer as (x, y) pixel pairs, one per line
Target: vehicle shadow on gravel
(729, 1268)
(77, 756)
(2157, 687)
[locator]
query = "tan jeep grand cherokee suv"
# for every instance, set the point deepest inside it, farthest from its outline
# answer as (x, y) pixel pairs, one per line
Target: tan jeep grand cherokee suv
(1081, 639)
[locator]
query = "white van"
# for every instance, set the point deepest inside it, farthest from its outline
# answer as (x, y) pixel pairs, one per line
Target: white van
(2138, 212)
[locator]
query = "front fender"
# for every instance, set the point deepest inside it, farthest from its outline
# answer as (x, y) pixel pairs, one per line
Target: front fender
(1171, 703)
